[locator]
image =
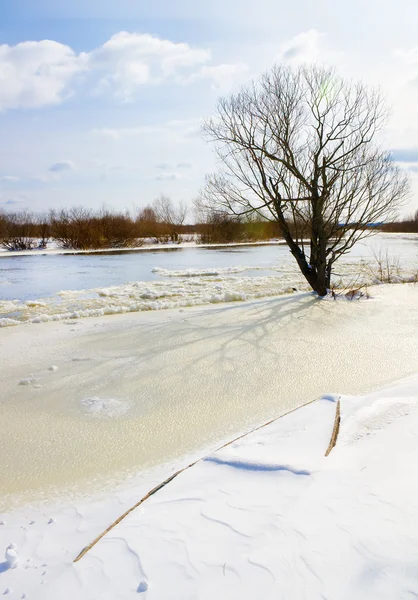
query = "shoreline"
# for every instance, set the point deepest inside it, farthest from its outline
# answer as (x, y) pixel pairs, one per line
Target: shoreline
(146, 248)
(168, 247)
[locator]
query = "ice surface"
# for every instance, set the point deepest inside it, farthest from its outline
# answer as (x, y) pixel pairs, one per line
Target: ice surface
(186, 379)
(104, 407)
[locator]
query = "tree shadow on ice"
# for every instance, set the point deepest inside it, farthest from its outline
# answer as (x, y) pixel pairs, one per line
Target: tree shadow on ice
(265, 321)
(226, 334)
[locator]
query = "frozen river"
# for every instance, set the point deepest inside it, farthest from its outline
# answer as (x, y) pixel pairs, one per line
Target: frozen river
(40, 276)
(39, 288)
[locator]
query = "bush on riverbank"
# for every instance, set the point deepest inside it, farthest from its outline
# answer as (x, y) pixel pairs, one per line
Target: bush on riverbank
(409, 225)
(80, 228)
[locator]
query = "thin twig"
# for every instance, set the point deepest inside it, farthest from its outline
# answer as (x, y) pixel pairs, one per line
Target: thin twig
(169, 479)
(335, 429)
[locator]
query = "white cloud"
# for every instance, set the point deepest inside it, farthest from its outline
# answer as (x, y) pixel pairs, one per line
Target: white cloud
(113, 134)
(223, 77)
(410, 56)
(166, 166)
(176, 128)
(9, 179)
(11, 201)
(36, 74)
(168, 177)
(130, 60)
(62, 165)
(410, 59)
(303, 48)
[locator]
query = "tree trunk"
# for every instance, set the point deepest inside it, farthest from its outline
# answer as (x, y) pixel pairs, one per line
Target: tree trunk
(322, 285)
(319, 244)
(315, 275)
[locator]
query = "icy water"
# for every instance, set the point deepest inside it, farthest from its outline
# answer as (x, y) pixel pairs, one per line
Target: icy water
(41, 288)
(43, 276)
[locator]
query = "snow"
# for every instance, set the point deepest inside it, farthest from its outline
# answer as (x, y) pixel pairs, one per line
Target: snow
(141, 389)
(11, 556)
(97, 414)
(266, 516)
(104, 407)
(181, 289)
(207, 272)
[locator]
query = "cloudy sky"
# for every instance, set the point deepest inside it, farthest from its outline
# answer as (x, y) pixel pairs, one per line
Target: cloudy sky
(101, 100)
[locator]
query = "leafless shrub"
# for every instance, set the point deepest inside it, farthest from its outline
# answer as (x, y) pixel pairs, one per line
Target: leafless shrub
(220, 227)
(170, 216)
(17, 231)
(72, 228)
(82, 229)
(408, 225)
(385, 268)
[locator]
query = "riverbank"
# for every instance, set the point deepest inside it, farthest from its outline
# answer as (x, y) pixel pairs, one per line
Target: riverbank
(150, 247)
(145, 248)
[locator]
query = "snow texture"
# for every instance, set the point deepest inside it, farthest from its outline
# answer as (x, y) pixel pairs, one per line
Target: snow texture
(267, 516)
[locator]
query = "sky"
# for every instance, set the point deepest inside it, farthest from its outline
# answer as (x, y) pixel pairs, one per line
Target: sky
(101, 102)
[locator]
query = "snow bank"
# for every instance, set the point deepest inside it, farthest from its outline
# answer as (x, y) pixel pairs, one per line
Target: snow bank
(267, 516)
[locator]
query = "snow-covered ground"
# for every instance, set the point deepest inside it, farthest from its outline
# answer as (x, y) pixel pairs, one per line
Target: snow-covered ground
(268, 516)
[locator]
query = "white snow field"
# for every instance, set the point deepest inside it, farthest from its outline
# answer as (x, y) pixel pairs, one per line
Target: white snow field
(268, 516)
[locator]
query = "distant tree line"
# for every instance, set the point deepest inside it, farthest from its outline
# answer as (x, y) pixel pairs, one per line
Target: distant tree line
(408, 225)
(161, 222)
(80, 228)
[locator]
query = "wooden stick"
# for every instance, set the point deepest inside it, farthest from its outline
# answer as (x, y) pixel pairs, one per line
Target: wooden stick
(335, 429)
(166, 481)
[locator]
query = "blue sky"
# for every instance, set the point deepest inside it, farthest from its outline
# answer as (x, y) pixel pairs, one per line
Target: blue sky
(114, 92)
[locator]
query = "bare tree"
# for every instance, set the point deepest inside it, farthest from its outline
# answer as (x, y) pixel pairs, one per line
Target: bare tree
(17, 231)
(297, 147)
(73, 228)
(173, 217)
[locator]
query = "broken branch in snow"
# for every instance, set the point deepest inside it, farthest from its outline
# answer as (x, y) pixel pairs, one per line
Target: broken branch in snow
(169, 479)
(335, 429)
